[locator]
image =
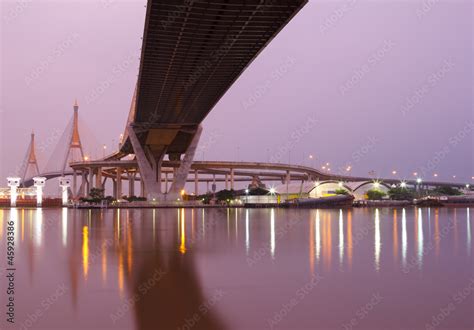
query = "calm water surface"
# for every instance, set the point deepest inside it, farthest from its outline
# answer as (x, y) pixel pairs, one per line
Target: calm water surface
(241, 269)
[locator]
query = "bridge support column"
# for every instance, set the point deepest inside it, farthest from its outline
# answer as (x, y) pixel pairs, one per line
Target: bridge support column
(98, 178)
(131, 183)
(90, 182)
(118, 191)
(196, 182)
(74, 184)
(166, 182)
(83, 183)
(232, 179)
(287, 181)
(226, 183)
(142, 188)
(114, 187)
(150, 174)
(182, 173)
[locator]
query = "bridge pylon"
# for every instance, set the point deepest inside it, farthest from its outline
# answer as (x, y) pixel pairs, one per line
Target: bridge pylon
(30, 160)
(74, 141)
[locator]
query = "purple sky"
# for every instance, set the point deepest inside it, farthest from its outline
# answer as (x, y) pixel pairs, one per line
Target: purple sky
(379, 85)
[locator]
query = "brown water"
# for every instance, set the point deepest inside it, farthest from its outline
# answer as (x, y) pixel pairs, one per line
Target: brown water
(240, 269)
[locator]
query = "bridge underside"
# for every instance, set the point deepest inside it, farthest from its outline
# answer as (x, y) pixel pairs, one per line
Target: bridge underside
(192, 52)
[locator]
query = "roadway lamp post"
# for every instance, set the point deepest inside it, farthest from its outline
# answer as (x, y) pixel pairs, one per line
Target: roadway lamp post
(13, 183)
(39, 183)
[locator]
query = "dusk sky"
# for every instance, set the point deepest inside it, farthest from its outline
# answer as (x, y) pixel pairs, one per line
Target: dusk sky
(378, 85)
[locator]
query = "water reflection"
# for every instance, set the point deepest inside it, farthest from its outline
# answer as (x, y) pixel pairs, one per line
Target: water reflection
(468, 225)
(272, 232)
(419, 239)
(341, 238)
(377, 241)
(404, 238)
(169, 262)
(318, 236)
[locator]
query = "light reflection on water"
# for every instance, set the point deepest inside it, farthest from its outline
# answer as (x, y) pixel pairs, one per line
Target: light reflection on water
(108, 258)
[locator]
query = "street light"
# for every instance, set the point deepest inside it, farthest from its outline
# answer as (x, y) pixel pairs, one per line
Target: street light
(419, 180)
(394, 172)
(403, 184)
(415, 173)
(435, 175)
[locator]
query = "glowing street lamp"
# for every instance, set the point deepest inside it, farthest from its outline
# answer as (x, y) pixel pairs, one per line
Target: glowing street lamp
(39, 183)
(419, 180)
(415, 173)
(272, 191)
(403, 184)
(435, 175)
(394, 172)
(86, 158)
(13, 183)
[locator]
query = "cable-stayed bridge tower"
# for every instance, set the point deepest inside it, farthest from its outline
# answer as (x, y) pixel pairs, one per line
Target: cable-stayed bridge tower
(30, 161)
(74, 151)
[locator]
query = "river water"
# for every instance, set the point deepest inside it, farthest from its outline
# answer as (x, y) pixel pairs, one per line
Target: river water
(387, 268)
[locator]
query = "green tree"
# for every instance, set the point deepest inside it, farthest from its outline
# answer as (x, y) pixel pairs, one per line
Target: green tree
(225, 195)
(401, 194)
(447, 191)
(341, 191)
(96, 193)
(375, 194)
